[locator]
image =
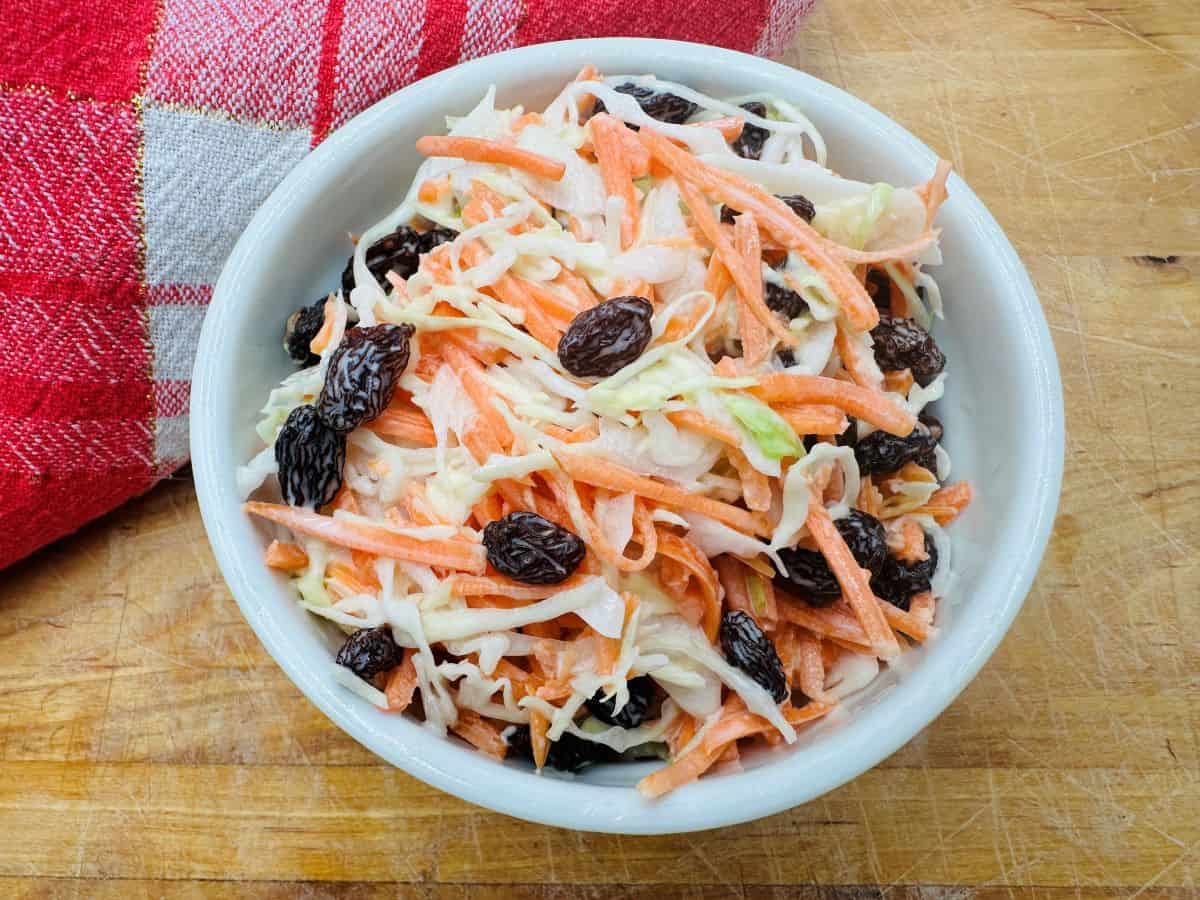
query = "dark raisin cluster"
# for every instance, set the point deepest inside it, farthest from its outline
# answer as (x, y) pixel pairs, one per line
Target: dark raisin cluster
(568, 754)
(633, 713)
(656, 104)
(903, 344)
(809, 574)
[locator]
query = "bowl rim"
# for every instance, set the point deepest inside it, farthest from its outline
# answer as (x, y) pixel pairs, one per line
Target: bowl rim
(916, 700)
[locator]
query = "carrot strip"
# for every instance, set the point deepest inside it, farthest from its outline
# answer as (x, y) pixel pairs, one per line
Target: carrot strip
(450, 554)
(484, 151)
(756, 487)
(601, 473)
(500, 586)
(903, 621)
(863, 370)
(475, 383)
(693, 559)
(553, 304)
(899, 381)
(869, 500)
(922, 606)
(730, 126)
(286, 557)
(585, 297)
(756, 345)
(880, 411)
(616, 171)
(777, 218)
(906, 540)
(813, 418)
(480, 733)
(747, 276)
(404, 424)
(322, 338)
(700, 423)
(522, 122)
(947, 504)
(401, 684)
(933, 193)
(853, 580)
(433, 189)
(810, 666)
(539, 724)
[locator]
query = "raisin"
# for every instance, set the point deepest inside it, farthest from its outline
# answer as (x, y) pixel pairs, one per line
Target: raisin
(362, 375)
(746, 647)
(604, 339)
(370, 652)
(631, 715)
(929, 460)
(783, 300)
(569, 753)
(798, 203)
(881, 453)
(749, 144)
(433, 238)
(656, 104)
(879, 287)
(786, 357)
(808, 572)
(897, 580)
(903, 344)
(531, 549)
(398, 252)
(302, 326)
(310, 456)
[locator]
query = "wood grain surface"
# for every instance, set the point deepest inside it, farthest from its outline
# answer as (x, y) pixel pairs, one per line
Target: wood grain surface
(150, 747)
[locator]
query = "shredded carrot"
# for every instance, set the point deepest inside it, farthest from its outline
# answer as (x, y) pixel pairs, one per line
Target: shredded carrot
(777, 218)
(879, 410)
(449, 553)
(746, 275)
(484, 151)
(906, 540)
(933, 193)
(433, 189)
(813, 418)
(701, 424)
(735, 723)
(480, 733)
(601, 473)
(470, 373)
(857, 360)
(947, 504)
(538, 726)
(810, 666)
(684, 551)
(500, 586)
(756, 487)
(869, 500)
(902, 621)
(524, 121)
(922, 606)
(756, 345)
(398, 423)
(585, 297)
(286, 557)
(322, 338)
(853, 580)
(401, 683)
(899, 381)
(616, 171)
(730, 126)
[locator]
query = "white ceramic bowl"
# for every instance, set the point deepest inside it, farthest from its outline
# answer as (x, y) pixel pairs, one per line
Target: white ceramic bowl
(1002, 411)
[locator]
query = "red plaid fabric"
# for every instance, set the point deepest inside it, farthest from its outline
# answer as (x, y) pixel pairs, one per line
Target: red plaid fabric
(136, 139)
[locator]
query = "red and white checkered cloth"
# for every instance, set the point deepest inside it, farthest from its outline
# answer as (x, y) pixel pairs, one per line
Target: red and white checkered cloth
(136, 139)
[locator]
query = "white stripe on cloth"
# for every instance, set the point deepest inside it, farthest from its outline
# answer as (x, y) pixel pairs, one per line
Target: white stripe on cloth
(491, 26)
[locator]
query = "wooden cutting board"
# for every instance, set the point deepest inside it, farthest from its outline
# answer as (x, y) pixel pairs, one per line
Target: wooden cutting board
(149, 746)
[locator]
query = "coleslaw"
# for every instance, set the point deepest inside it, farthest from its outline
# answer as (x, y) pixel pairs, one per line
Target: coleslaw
(615, 442)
